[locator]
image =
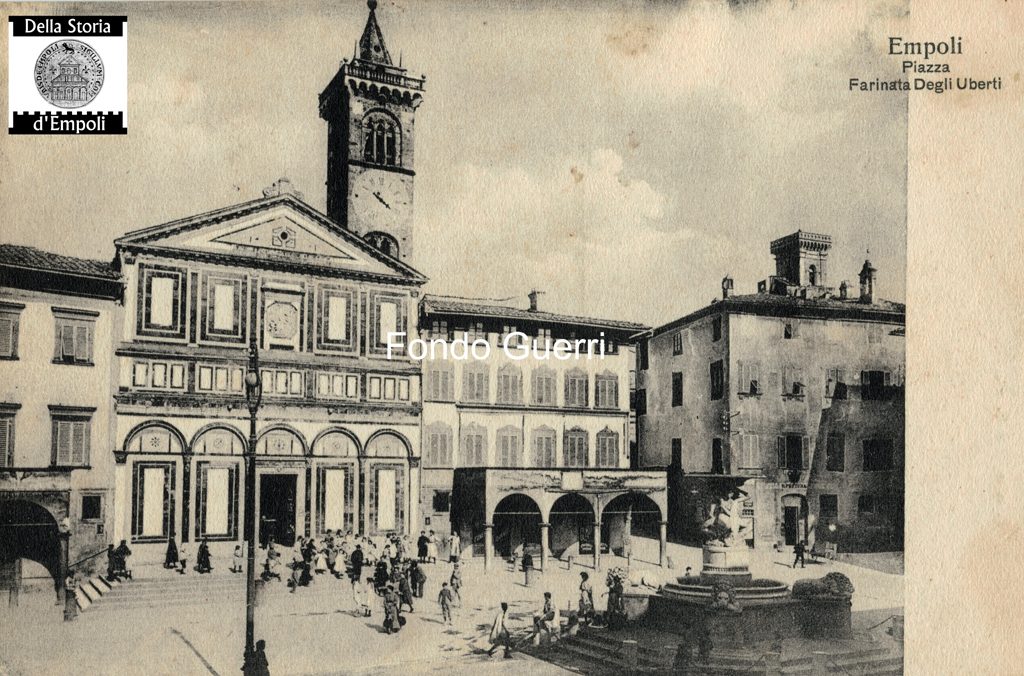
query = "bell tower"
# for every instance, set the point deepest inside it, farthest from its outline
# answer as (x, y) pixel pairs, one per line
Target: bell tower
(370, 107)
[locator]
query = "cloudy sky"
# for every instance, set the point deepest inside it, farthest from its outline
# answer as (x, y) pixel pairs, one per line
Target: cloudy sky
(621, 156)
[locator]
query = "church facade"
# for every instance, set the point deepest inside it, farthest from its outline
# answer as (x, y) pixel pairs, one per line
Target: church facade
(338, 429)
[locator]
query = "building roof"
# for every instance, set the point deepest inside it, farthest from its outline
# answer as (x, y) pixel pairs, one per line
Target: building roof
(452, 305)
(31, 258)
(371, 44)
(778, 305)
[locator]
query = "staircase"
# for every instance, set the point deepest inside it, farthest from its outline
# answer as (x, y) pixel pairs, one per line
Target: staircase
(596, 652)
(91, 590)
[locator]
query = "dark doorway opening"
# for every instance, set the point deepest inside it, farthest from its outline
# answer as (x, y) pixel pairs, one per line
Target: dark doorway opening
(516, 525)
(28, 531)
(717, 457)
(277, 509)
(790, 524)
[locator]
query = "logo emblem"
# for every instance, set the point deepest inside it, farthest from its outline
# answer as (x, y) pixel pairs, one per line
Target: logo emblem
(69, 74)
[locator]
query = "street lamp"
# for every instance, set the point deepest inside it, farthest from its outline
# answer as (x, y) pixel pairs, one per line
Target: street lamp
(253, 399)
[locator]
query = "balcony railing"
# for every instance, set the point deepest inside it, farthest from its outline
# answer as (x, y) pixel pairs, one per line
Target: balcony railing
(384, 76)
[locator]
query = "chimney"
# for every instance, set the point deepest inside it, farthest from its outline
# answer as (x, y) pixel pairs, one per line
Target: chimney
(534, 293)
(726, 286)
(844, 290)
(867, 282)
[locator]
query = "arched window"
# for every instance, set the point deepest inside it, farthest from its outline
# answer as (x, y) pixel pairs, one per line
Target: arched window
(155, 438)
(280, 442)
(544, 386)
(473, 452)
(510, 385)
(384, 242)
(387, 445)
(381, 139)
(607, 448)
(437, 445)
(575, 448)
(219, 441)
(510, 447)
(336, 444)
(544, 447)
(812, 275)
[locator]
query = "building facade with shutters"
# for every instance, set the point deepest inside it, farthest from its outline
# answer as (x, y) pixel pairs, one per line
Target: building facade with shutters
(58, 315)
(541, 443)
(732, 395)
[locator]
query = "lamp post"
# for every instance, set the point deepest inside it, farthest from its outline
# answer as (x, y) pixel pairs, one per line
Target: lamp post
(253, 398)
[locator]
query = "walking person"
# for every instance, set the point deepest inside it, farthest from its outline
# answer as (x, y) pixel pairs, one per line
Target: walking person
(500, 636)
(432, 547)
(421, 547)
(392, 605)
(456, 581)
(798, 550)
(446, 599)
(405, 589)
(203, 559)
(419, 581)
(586, 598)
(361, 593)
(356, 563)
(454, 548)
(171, 555)
(183, 555)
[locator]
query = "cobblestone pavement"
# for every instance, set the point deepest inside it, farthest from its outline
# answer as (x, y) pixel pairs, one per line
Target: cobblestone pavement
(316, 631)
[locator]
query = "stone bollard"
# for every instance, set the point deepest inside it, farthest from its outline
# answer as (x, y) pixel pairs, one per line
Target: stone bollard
(570, 561)
(631, 654)
(669, 563)
(531, 576)
(629, 560)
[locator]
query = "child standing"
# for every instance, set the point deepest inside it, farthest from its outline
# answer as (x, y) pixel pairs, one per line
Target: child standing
(236, 560)
(446, 598)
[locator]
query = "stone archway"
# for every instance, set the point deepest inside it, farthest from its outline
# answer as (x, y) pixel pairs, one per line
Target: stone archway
(29, 531)
(516, 520)
(572, 524)
(627, 515)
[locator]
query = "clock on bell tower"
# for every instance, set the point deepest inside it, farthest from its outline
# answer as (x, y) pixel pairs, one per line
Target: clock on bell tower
(370, 107)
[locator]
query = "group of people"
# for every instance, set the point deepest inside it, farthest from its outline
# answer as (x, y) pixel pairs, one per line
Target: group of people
(177, 557)
(117, 562)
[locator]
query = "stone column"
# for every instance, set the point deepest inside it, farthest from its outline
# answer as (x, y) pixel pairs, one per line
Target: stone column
(62, 564)
(544, 538)
(488, 545)
(597, 545)
(662, 543)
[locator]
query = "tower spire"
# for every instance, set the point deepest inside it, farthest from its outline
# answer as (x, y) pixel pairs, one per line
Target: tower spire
(371, 45)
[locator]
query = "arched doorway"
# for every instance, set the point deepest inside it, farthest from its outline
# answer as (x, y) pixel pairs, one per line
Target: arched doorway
(28, 531)
(516, 522)
(572, 523)
(794, 519)
(627, 515)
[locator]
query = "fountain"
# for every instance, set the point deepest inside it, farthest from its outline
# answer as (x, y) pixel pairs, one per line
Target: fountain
(728, 603)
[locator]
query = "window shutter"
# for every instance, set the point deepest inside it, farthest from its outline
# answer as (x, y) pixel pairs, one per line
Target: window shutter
(82, 343)
(806, 443)
(67, 339)
(63, 442)
(77, 442)
(6, 450)
(780, 447)
(7, 337)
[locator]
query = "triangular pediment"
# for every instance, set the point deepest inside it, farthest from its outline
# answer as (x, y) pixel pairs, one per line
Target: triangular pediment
(279, 230)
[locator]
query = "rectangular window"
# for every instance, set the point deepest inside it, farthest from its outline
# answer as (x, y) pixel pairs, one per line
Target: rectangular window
(442, 502)
(716, 329)
(333, 506)
(606, 391)
(790, 329)
(642, 355)
(750, 378)
(873, 383)
(439, 449)
(792, 451)
(866, 504)
(576, 390)
(71, 438)
(751, 451)
(793, 382)
(92, 508)
(6, 438)
(389, 388)
(162, 299)
(543, 337)
(544, 449)
(677, 454)
(439, 329)
(152, 500)
(475, 385)
(510, 390)
(607, 449)
(374, 387)
(575, 449)
(717, 380)
(440, 385)
(388, 321)
(677, 388)
(10, 317)
(835, 383)
(878, 455)
(828, 506)
(386, 499)
(473, 452)
(508, 450)
(835, 453)
(74, 338)
(677, 343)
(337, 318)
(224, 307)
(475, 331)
